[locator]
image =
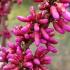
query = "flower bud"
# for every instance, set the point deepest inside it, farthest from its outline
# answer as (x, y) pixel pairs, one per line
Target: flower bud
(63, 11)
(43, 21)
(44, 5)
(23, 19)
(26, 28)
(45, 34)
(58, 28)
(19, 50)
(28, 51)
(36, 61)
(37, 39)
(13, 61)
(16, 68)
(53, 41)
(54, 12)
(66, 14)
(28, 65)
(60, 7)
(52, 49)
(41, 51)
(13, 58)
(19, 39)
(64, 25)
(43, 67)
(11, 45)
(26, 36)
(66, 5)
(31, 18)
(67, 27)
(46, 60)
(17, 32)
(2, 56)
(48, 30)
(28, 57)
(43, 41)
(32, 11)
(36, 27)
(9, 67)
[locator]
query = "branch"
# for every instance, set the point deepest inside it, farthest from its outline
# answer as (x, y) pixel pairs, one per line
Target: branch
(26, 45)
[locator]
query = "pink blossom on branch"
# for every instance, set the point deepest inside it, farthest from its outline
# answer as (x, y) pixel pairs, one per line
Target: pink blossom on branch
(37, 30)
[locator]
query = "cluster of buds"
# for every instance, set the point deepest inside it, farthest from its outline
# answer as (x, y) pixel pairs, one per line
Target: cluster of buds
(15, 58)
(37, 30)
(11, 56)
(59, 14)
(5, 8)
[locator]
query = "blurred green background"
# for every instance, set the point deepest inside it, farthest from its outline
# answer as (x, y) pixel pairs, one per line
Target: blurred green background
(61, 60)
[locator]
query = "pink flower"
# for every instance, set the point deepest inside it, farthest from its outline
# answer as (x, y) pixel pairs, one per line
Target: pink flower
(44, 5)
(58, 28)
(39, 59)
(61, 26)
(36, 27)
(9, 67)
(45, 34)
(37, 38)
(54, 12)
(63, 11)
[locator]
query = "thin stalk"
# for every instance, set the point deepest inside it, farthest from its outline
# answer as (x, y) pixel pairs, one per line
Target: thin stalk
(3, 21)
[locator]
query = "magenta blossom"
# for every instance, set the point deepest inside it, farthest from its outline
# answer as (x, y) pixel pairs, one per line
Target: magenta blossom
(38, 30)
(38, 60)
(14, 56)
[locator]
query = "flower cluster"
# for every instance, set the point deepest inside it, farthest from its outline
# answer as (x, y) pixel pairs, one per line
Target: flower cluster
(11, 56)
(4, 11)
(5, 7)
(15, 58)
(37, 30)
(59, 13)
(38, 60)
(37, 27)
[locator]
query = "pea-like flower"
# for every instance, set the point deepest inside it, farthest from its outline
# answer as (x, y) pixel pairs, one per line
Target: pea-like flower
(38, 60)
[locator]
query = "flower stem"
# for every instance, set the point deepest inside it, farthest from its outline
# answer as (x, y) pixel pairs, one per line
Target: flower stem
(3, 21)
